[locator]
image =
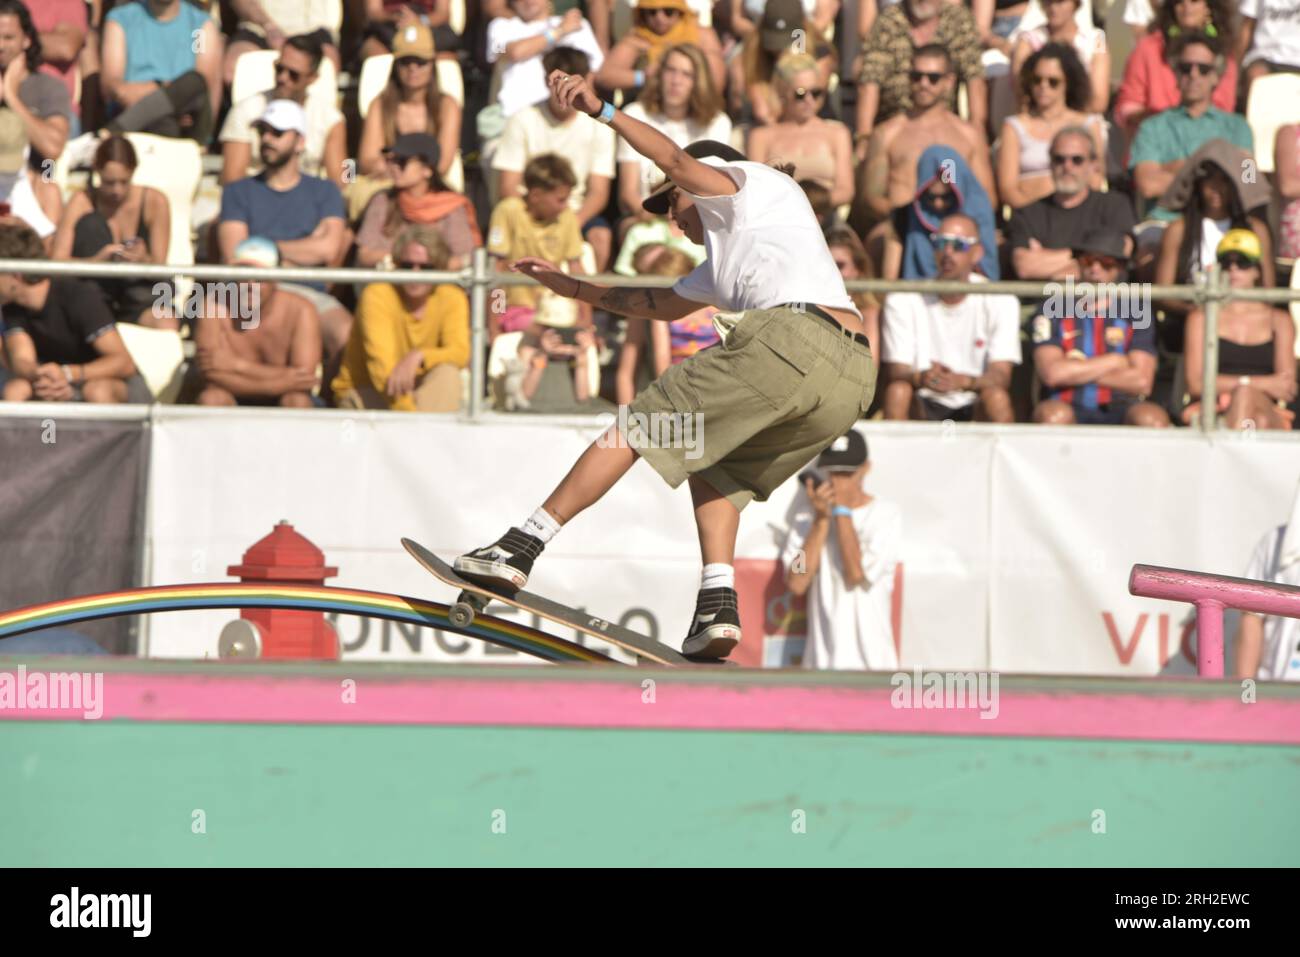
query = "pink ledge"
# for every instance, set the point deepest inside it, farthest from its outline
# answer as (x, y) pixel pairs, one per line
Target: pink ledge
(611, 704)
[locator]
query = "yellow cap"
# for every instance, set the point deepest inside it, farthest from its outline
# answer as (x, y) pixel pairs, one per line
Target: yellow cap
(415, 40)
(1241, 241)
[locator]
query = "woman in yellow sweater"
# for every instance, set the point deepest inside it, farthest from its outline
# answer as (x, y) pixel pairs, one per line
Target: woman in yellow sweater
(409, 341)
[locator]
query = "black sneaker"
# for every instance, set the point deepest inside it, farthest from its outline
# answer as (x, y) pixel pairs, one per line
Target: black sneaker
(504, 565)
(715, 630)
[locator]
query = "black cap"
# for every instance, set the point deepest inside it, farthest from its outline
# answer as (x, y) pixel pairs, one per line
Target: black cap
(657, 201)
(1102, 242)
(779, 21)
(420, 145)
(845, 454)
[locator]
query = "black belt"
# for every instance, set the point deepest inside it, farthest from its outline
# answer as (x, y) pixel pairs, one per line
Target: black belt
(821, 313)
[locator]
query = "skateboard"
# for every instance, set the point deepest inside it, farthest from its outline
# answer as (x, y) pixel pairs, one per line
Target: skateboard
(474, 598)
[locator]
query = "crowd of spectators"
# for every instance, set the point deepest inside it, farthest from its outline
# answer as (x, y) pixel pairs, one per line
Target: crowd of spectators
(975, 141)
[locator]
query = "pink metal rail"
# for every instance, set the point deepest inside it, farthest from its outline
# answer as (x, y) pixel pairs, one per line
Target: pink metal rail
(1211, 594)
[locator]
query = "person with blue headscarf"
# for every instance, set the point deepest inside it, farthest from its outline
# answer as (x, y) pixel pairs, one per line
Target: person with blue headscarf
(945, 185)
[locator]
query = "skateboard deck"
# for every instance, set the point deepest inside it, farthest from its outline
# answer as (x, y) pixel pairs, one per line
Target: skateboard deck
(644, 648)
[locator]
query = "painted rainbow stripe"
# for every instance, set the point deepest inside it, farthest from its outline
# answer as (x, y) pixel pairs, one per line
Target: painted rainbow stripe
(342, 601)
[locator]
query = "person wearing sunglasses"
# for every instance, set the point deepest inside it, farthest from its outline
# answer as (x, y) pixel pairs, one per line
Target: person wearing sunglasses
(885, 85)
(887, 178)
(271, 361)
(1212, 199)
(945, 186)
(325, 148)
(658, 26)
(1056, 96)
(950, 357)
(1042, 235)
(793, 373)
(418, 197)
(1150, 84)
(1063, 26)
(1095, 347)
(820, 150)
(1165, 141)
(411, 102)
(1256, 377)
(411, 340)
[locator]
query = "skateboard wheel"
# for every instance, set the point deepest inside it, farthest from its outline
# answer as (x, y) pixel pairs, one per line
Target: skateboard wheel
(461, 614)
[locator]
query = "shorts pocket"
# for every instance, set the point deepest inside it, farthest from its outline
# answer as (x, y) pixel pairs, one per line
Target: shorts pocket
(773, 373)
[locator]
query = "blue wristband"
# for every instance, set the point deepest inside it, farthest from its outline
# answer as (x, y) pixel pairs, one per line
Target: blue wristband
(606, 114)
(844, 510)
(638, 78)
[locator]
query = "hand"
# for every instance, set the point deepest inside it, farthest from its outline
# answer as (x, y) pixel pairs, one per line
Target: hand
(822, 498)
(586, 339)
(573, 90)
(401, 381)
(110, 253)
(14, 76)
(50, 384)
(571, 22)
(216, 360)
(548, 275)
(406, 17)
(133, 251)
(275, 37)
(939, 378)
(860, 148)
(303, 380)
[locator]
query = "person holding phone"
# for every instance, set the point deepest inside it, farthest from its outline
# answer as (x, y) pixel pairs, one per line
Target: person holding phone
(794, 370)
(841, 552)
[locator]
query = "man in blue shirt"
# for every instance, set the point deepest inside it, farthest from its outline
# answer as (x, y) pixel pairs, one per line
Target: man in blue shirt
(303, 215)
(1095, 344)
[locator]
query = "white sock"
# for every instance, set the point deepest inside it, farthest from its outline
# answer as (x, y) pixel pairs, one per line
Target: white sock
(718, 575)
(541, 526)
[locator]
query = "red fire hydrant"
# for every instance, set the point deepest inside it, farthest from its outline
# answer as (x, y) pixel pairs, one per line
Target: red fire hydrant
(288, 558)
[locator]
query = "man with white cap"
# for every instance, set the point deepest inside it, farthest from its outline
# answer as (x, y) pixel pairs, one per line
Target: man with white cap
(1268, 646)
(303, 215)
(266, 355)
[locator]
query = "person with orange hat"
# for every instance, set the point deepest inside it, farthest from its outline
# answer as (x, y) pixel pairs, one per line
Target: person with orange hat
(793, 373)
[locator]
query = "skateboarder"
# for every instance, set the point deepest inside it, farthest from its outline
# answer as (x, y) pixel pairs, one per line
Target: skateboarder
(793, 372)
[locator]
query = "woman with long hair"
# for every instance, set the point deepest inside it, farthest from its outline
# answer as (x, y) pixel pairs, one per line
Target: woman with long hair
(1256, 374)
(682, 102)
(1054, 88)
(1149, 84)
(418, 197)
(657, 27)
(1088, 42)
(114, 220)
(820, 150)
(411, 103)
(1213, 200)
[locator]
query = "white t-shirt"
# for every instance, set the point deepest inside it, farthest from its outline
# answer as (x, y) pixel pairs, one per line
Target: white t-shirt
(1279, 659)
(850, 628)
(17, 190)
(1138, 13)
(681, 132)
(1277, 31)
(587, 144)
(322, 116)
(524, 83)
(966, 336)
(764, 246)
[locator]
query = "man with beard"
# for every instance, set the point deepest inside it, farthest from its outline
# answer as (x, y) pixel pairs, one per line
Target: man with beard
(899, 141)
(884, 86)
(1044, 235)
(950, 357)
(302, 215)
(325, 149)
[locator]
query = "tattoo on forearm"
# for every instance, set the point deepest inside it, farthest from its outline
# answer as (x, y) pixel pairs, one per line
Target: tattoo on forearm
(629, 302)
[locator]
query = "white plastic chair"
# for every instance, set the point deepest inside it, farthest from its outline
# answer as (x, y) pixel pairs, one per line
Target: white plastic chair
(159, 357)
(1274, 100)
(255, 73)
(456, 17)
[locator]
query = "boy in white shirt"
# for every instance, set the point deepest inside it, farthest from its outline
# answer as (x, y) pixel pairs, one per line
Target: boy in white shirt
(841, 552)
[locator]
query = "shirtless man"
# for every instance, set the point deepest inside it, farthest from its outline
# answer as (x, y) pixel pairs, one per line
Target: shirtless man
(269, 361)
(898, 142)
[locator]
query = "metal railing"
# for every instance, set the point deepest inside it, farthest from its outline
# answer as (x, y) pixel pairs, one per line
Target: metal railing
(479, 278)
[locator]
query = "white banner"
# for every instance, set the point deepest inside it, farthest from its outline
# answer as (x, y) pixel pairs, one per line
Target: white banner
(1017, 541)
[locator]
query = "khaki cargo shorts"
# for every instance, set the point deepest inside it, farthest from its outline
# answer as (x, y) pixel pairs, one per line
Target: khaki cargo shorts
(746, 414)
